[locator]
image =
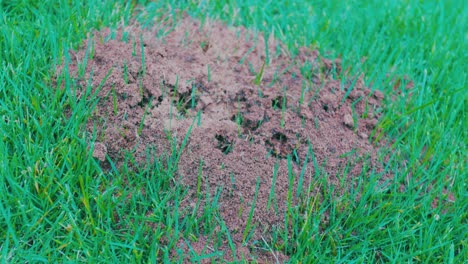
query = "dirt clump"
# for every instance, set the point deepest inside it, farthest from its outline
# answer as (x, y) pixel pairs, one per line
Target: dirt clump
(251, 117)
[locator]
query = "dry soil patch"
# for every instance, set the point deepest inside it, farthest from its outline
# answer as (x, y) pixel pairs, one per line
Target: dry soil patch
(242, 126)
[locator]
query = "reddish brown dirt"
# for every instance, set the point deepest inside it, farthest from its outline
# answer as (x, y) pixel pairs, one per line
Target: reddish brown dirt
(244, 128)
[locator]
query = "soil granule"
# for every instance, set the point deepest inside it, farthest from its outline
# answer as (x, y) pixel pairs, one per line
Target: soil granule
(249, 118)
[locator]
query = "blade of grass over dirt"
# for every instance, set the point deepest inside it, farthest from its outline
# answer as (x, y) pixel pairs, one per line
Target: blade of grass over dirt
(259, 76)
(84, 64)
(249, 224)
(283, 107)
(142, 50)
(142, 123)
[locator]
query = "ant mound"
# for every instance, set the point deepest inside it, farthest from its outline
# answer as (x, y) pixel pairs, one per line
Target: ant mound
(231, 114)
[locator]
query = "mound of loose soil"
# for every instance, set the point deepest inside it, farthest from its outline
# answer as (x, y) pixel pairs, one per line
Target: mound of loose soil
(247, 121)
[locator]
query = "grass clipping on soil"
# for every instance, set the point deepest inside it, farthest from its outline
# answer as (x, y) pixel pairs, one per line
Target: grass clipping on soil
(252, 116)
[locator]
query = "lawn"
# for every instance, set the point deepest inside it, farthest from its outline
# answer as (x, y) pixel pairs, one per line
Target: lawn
(58, 204)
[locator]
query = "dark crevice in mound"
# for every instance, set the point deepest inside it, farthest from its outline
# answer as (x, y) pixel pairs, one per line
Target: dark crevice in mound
(224, 144)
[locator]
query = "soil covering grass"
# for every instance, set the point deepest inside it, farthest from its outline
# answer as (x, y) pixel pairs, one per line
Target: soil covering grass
(59, 203)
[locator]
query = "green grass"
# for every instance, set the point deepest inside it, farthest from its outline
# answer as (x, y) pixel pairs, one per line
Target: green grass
(56, 203)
